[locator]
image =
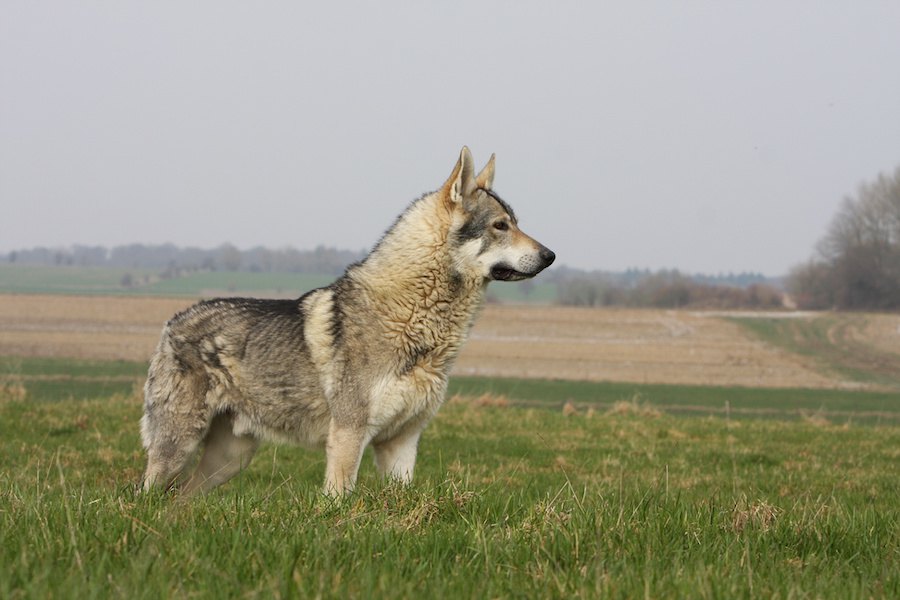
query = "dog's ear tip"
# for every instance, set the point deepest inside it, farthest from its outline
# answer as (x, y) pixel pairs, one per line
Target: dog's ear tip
(462, 180)
(485, 178)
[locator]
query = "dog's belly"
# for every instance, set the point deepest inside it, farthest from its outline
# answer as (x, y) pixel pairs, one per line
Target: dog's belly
(282, 418)
(292, 427)
(283, 405)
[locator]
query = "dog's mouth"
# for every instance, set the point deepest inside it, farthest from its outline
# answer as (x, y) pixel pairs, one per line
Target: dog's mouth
(505, 273)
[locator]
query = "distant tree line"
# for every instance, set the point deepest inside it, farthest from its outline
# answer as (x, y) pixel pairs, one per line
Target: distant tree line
(667, 289)
(634, 287)
(856, 265)
(172, 261)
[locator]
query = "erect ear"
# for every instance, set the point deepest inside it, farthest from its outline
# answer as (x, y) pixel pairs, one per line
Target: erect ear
(462, 180)
(485, 179)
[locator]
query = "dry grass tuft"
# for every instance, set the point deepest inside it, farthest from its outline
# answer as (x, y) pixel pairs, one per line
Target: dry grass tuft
(12, 390)
(12, 386)
(561, 462)
(816, 419)
(494, 400)
(759, 515)
(546, 514)
(486, 399)
(636, 407)
(420, 514)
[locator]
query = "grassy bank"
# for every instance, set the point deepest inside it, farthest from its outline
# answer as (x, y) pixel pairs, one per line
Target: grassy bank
(835, 341)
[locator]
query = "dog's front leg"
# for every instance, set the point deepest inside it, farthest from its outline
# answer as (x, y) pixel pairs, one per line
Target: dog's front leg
(396, 458)
(343, 450)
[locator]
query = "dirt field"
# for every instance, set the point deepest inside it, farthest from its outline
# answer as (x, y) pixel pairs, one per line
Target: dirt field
(882, 332)
(643, 346)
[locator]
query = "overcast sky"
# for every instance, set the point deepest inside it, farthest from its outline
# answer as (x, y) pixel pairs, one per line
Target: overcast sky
(708, 137)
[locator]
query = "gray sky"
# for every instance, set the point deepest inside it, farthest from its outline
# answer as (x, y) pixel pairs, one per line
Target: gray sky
(709, 137)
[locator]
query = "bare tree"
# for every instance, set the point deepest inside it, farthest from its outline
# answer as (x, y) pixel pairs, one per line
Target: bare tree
(858, 259)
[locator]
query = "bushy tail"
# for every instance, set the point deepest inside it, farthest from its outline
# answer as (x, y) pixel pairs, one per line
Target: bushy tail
(176, 417)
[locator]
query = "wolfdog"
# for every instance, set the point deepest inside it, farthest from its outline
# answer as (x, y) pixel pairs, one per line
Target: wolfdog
(362, 361)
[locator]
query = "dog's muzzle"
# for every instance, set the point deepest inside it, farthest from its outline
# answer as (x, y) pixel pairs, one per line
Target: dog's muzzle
(528, 266)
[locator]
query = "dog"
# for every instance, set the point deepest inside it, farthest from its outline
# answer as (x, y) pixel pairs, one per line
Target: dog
(362, 361)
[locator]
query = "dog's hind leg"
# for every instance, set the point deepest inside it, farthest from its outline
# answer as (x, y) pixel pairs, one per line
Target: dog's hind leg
(224, 455)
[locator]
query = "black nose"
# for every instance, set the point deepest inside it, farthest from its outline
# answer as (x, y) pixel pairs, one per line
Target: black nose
(548, 256)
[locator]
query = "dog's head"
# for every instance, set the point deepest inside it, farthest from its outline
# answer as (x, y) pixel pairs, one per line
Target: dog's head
(484, 231)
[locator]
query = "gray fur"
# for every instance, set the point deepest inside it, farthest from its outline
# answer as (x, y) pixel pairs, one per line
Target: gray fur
(362, 361)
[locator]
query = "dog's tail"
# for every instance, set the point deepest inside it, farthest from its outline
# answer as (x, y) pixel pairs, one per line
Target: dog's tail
(176, 415)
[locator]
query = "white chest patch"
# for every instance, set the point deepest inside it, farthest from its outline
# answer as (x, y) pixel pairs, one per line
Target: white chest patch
(397, 400)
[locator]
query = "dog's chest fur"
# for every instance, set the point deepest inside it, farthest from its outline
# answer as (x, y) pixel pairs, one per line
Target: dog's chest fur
(399, 335)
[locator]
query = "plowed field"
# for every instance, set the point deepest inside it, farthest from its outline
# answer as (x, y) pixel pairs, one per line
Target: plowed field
(642, 346)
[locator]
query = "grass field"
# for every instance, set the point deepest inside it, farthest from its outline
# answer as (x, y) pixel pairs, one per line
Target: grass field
(108, 281)
(508, 502)
(514, 497)
(582, 453)
(51, 379)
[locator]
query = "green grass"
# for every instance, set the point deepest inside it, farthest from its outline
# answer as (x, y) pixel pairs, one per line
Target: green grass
(198, 284)
(48, 379)
(108, 281)
(70, 367)
(739, 402)
(66, 280)
(507, 502)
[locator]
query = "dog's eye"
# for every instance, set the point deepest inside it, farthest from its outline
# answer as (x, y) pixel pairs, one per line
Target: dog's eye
(501, 225)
